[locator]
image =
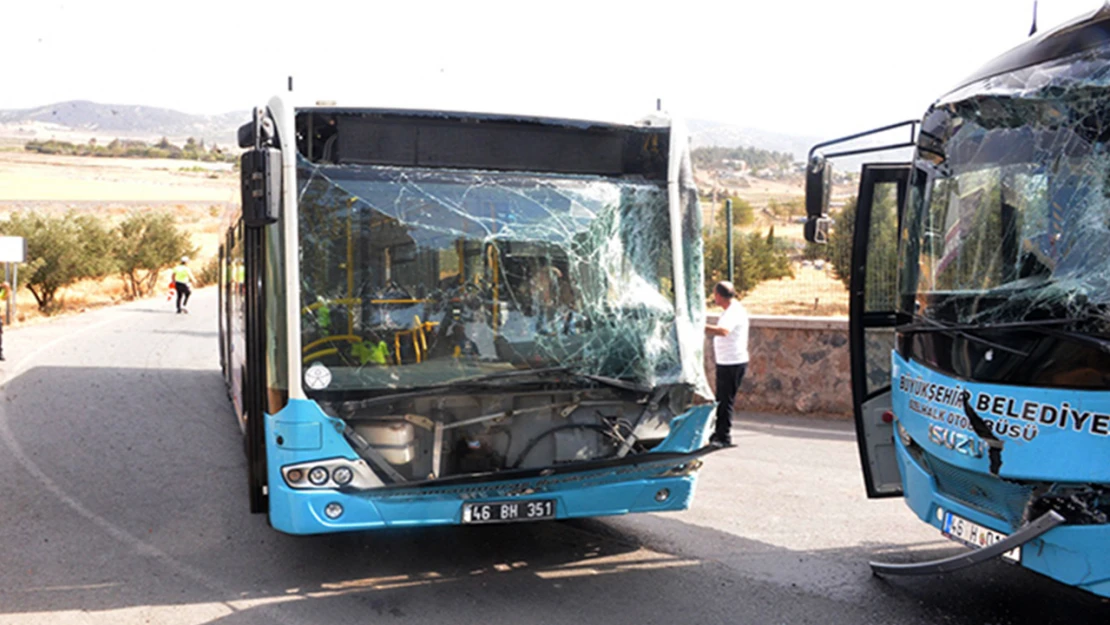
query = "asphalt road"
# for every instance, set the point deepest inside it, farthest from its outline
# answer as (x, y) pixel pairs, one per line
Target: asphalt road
(123, 500)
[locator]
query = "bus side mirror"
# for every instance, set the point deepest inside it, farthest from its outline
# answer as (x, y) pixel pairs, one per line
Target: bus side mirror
(818, 184)
(257, 132)
(261, 177)
(247, 135)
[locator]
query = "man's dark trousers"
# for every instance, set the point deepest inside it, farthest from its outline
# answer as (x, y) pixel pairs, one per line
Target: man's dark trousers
(729, 378)
(183, 292)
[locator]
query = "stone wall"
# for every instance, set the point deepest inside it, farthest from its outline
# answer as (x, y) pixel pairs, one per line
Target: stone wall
(798, 365)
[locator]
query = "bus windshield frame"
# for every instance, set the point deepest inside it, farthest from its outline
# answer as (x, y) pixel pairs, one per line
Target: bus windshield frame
(412, 277)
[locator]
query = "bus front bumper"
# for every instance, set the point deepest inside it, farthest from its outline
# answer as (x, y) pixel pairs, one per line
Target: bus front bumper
(1072, 554)
(301, 512)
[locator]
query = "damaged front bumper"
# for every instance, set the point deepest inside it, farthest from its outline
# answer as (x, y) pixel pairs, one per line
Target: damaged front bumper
(1071, 554)
(662, 479)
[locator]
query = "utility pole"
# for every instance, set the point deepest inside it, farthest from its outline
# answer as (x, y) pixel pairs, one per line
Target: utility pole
(728, 236)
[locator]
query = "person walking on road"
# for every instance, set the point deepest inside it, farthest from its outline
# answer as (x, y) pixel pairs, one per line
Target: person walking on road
(182, 281)
(730, 350)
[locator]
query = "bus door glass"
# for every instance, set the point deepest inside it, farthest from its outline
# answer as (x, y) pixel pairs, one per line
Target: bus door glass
(873, 300)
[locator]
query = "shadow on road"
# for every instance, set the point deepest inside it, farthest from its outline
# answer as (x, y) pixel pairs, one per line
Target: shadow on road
(128, 491)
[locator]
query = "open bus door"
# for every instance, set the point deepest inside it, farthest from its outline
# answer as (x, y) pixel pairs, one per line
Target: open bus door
(873, 296)
(873, 291)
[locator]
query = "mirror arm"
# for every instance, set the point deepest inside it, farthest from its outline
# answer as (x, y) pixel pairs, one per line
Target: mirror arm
(912, 123)
(881, 148)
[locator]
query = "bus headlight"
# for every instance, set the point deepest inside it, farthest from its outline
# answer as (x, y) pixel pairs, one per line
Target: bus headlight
(330, 473)
(318, 476)
(342, 475)
(903, 435)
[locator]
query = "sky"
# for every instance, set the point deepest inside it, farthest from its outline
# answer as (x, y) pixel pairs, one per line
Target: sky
(807, 68)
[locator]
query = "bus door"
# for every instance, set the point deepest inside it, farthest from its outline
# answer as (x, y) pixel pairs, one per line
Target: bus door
(260, 174)
(873, 299)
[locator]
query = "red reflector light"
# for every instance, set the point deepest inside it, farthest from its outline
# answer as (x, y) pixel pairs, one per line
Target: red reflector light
(888, 417)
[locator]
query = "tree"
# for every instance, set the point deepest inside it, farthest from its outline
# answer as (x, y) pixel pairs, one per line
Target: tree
(145, 244)
(882, 246)
(840, 241)
(756, 258)
(716, 156)
(742, 214)
(60, 251)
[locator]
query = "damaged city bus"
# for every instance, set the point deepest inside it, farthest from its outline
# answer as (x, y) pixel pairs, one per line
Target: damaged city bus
(980, 310)
(434, 317)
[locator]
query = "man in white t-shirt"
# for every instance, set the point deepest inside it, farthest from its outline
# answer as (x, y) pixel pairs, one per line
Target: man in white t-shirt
(730, 349)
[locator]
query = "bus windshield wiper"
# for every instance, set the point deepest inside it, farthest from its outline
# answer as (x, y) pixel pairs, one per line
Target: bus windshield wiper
(501, 375)
(925, 325)
(524, 373)
(1048, 327)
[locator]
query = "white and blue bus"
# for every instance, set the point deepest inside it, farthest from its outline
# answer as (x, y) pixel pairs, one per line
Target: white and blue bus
(980, 310)
(432, 317)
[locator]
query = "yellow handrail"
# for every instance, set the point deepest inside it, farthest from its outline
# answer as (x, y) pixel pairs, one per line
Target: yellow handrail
(322, 352)
(418, 331)
(353, 338)
(423, 337)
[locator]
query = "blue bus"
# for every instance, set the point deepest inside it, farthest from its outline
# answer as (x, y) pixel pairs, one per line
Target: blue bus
(980, 310)
(432, 317)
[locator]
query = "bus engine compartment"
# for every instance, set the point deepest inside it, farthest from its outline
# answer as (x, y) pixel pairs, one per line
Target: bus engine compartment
(461, 434)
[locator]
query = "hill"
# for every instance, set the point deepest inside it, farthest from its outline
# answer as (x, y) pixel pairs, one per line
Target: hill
(704, 133)
(79, 120)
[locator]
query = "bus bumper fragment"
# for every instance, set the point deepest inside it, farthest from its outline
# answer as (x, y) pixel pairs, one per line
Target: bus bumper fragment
(1024, 534)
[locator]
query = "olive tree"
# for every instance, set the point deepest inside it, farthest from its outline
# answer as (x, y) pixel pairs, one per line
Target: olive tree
(60, 251)
(146, 243)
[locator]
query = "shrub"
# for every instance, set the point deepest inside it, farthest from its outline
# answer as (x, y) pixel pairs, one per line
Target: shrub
(742, 214)
(211, 272)
(756, 258)
(60, 251)
(146, 243)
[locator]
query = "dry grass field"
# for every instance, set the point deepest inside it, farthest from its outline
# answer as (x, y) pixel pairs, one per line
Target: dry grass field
(198, 194)
(812, 291)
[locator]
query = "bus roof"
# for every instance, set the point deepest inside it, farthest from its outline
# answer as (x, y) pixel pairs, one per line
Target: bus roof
(1085, 32)
(656, 119)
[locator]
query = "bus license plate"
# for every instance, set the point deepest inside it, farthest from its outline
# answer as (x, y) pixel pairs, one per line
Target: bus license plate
(975, 535)
(507, 511)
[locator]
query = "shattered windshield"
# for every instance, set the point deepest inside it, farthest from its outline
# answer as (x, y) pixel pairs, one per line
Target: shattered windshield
(418, 276)
(1009, 217)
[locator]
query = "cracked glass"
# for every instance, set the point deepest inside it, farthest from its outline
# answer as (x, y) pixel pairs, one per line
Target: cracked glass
(413, 276)
(1009, 217)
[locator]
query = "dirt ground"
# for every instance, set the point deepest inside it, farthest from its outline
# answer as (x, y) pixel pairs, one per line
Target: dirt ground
(198, 194)
(35, 177)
